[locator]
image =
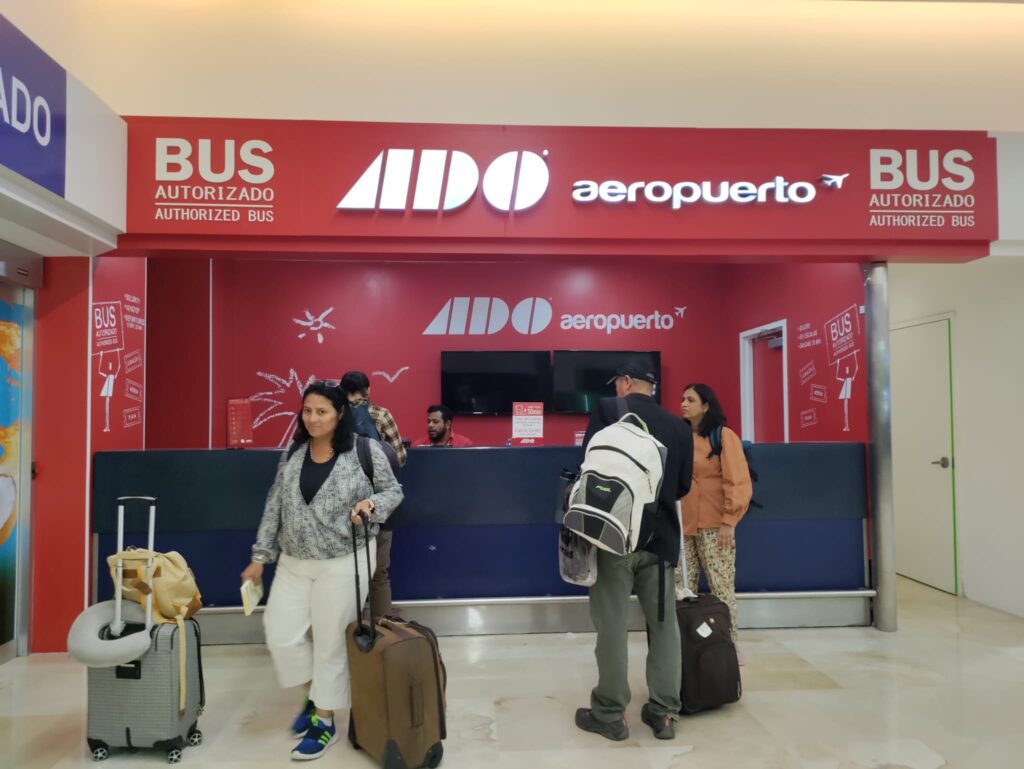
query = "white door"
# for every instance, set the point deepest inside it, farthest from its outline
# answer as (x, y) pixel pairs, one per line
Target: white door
(922, 454)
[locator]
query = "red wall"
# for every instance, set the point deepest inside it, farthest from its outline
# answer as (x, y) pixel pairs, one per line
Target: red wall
(807, 297)
(769, 415)
(380, 313)
(381, 309)
(59, 529)
(178, 361)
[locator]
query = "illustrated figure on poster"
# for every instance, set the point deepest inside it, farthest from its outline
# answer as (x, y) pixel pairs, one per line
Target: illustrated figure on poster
(110, 367)
(846, 372)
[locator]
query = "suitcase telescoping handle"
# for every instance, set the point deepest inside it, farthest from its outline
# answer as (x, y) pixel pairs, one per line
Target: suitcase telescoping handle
(117, 626)
(365, 634)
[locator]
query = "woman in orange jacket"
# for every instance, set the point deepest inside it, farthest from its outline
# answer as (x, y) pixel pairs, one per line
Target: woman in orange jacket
(718, 498)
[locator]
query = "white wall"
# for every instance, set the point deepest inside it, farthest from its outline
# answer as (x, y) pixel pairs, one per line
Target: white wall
(726, 63)
(988, 401)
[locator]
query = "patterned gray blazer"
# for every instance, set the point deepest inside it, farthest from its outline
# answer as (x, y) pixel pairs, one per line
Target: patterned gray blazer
(323, 528)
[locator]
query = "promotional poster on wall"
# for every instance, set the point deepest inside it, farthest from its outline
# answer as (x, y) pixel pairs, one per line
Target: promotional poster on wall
(118, 362)
(11, 329)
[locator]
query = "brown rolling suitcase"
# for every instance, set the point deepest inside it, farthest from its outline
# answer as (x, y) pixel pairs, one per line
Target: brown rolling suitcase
(398, 689)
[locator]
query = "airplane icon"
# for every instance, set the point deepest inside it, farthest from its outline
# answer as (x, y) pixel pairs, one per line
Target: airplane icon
(834, 180)
(681, 312)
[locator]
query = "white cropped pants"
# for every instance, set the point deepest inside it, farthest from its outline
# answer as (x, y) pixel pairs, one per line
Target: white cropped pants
(318, 595)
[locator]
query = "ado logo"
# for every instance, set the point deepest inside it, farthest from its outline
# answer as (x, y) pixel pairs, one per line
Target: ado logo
(489, 315)
(446, 180)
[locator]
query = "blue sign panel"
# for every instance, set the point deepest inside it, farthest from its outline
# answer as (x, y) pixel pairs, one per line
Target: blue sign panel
(33, 110)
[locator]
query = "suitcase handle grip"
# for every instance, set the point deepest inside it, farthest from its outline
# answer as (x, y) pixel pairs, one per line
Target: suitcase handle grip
(117, 626)
(365, 635)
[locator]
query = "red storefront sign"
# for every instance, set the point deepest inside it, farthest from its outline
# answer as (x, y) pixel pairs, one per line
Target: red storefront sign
(674, 190)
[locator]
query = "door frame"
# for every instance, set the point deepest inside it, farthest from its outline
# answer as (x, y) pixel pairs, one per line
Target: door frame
(747, 377)
(924, 320)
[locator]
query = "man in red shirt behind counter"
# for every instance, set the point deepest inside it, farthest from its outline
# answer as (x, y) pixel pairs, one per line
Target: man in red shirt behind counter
(439, 429)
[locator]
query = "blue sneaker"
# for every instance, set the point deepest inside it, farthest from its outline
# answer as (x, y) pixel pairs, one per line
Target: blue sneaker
(318, 738)
(301, 722)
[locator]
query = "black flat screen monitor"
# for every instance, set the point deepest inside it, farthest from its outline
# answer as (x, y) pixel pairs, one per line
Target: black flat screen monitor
(580, 377)
(490, 382)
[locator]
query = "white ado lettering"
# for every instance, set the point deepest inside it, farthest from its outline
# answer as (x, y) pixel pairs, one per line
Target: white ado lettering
(611, 323)
(24, 112)
(489, 315)
(173, 163)
(891, 169)
(514, 181)
(683, 193)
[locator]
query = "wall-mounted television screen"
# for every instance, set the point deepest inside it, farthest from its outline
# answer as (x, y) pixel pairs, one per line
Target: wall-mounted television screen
(580, 377)
(490, 382)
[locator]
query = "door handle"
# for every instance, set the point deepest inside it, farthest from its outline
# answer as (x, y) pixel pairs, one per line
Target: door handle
(943, 462)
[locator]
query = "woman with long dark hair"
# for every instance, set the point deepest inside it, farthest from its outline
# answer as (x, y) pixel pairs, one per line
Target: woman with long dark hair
(719, 496)
(317, 498)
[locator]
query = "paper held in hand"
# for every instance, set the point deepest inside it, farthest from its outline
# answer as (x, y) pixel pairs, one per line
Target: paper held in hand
(251, 596)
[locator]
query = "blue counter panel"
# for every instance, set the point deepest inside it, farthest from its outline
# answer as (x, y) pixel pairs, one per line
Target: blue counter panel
(800, 555)
(477, 522)
(515, 561)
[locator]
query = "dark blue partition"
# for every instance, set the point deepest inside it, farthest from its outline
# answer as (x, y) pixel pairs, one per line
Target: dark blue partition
(477, 522)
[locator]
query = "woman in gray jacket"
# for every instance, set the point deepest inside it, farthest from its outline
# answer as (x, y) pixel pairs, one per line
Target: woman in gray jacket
(319, 493)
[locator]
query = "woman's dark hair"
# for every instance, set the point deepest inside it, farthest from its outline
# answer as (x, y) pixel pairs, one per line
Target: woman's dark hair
(342, 440)
(715, 417)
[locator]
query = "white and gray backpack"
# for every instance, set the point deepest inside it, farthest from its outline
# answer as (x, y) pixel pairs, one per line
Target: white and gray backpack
(621, 473)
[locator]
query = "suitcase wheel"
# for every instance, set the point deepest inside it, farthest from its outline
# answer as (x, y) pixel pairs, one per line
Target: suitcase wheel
(99, 750)
(195, 737)
(174, 756)
(434, 755)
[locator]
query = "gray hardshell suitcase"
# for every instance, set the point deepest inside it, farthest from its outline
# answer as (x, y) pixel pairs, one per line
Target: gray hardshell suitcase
(135, 705)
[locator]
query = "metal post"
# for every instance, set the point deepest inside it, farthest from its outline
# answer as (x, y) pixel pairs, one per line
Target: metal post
(876, 300)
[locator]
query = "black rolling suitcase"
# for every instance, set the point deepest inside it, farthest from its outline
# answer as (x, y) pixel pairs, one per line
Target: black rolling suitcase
(711, 672)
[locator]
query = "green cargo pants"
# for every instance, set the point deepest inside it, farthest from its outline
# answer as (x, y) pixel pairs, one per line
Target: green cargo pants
(617, 577)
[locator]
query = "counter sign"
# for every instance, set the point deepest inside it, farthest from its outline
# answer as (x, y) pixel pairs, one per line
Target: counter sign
(922, 188)
(207, 181)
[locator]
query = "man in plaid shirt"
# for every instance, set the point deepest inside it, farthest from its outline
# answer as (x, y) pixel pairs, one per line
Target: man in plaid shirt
(357, 388)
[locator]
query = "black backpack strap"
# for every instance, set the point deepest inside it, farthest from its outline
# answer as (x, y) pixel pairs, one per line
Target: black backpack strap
(365, 459)
(715, 439)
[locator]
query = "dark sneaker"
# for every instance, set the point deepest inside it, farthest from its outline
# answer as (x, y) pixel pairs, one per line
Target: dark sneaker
(664, 727)
(318, 738)
(612, 730)
(302, 720)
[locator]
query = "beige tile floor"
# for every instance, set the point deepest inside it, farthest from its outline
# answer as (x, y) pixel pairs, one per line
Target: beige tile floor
(947, 690)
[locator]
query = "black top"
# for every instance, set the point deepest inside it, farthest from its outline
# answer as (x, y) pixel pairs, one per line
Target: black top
(660, 528)
(313, 475)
